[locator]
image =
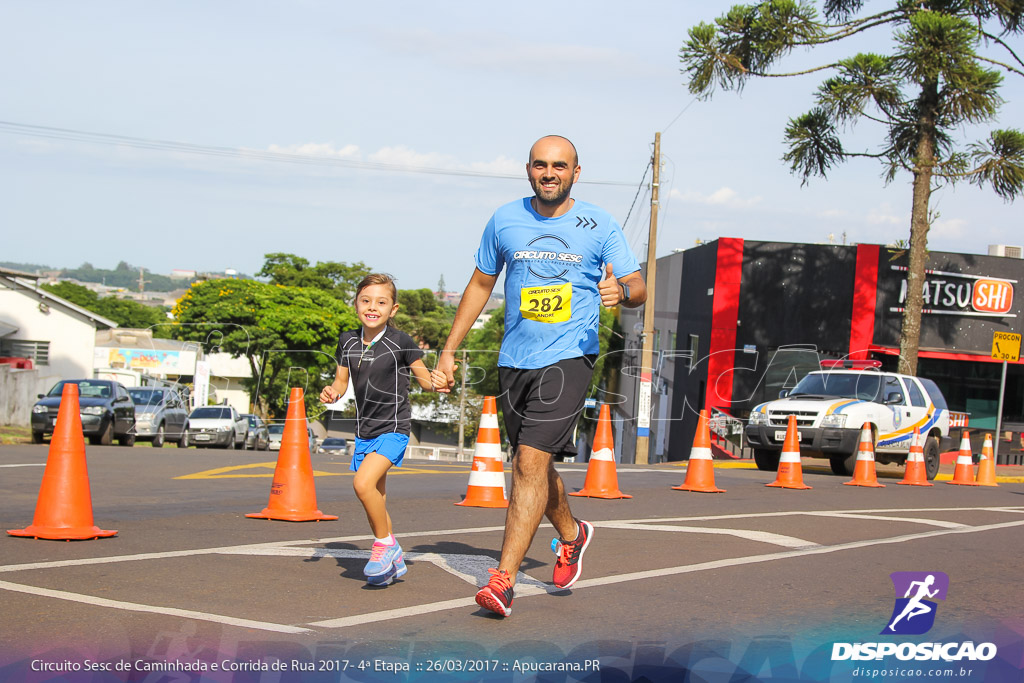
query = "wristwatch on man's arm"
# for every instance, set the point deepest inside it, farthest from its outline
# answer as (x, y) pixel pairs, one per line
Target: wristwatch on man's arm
(625, 292)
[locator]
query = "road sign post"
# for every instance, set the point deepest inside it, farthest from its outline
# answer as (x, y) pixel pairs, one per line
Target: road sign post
(1005, 347)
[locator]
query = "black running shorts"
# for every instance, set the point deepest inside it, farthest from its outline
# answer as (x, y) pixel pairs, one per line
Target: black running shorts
(541, 406)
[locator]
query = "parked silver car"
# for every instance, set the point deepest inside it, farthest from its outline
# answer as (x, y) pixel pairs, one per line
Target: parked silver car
(277, 431)
(160, 416)
(220, 426)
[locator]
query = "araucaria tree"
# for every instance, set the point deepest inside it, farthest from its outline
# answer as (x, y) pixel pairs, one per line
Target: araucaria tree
(943, 72)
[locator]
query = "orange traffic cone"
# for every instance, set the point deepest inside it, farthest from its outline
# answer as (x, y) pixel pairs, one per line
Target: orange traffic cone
(987, 466)
(864, 470)
(791, 474)
(487, 478)
(64, 506)
(293, 492)
(602, 480)
(700, 471)
(963, 474)
(915, 474)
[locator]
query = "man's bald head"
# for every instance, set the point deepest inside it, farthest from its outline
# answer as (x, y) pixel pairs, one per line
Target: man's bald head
(559, 141)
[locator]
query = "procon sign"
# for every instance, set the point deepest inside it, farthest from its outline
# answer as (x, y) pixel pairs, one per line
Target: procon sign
(961, 294)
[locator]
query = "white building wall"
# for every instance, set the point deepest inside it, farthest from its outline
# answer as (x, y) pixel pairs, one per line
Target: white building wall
(72, 339)
(226, 377)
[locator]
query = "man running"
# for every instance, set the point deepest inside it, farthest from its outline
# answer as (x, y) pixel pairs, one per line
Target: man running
(563, 257)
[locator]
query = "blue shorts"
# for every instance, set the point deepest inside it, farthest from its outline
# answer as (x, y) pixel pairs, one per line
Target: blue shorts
(392, 446)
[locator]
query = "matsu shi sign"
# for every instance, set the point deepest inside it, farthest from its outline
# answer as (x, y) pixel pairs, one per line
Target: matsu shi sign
(947, 293)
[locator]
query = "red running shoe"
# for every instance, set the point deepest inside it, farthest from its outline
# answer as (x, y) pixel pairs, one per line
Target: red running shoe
(570, 556)
(497, 594)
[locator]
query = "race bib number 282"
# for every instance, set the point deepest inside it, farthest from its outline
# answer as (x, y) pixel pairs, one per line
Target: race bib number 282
(548, 304)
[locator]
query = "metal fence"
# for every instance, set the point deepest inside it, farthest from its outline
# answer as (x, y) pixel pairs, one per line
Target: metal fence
(441, 453)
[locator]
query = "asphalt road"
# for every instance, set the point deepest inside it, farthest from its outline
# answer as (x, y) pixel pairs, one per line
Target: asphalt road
(756, 583)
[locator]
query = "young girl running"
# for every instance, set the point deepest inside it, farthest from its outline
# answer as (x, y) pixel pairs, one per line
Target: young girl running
(378, 358)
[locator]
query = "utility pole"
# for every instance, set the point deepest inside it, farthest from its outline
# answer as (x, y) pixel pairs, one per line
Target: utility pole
(142, 280)
(643, 412)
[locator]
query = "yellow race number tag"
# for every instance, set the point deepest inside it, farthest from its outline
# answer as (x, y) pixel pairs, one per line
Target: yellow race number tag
(548, 304)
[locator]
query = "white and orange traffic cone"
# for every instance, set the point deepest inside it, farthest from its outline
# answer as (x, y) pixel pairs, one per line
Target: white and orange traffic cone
(987, 466)
(963, 474)
(602, 480)
(700, 471)
(916, 473)
(864, 470)
(790, 474)
(64, 505)
(487, 478)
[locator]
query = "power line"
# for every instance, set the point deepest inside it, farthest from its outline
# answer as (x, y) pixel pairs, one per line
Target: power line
(638, 188)
(680, 114)
(259, 155)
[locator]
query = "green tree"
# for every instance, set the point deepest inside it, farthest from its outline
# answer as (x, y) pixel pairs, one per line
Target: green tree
(330, 276)
(421, 316)
(125, 312)
(289, 335)
(934, 82)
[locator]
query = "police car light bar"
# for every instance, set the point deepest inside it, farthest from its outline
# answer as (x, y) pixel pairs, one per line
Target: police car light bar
(851, 364)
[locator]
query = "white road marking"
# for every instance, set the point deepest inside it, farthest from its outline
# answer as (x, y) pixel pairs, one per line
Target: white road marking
(762, 536)
(468, 567)
(135, 607)
(419, 610)
(27, 464)
(883, 518)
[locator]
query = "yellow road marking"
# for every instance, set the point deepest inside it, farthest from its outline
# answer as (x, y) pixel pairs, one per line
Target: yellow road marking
(236, 472)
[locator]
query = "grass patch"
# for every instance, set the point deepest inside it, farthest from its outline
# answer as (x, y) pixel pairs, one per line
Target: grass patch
(13, 434)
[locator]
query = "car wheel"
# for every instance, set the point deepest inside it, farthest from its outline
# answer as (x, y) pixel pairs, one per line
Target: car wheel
(932, 458)
(127, 440)
(107, 437)
(158, 438)
(231, 442)
(766, 461)
(843, 464)
(183, 442)
(846, 465)
(37, 437)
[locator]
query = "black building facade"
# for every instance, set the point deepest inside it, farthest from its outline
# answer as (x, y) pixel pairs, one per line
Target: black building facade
(757, 316)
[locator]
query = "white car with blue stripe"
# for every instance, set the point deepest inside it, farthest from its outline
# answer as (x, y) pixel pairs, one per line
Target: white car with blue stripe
(833, 405)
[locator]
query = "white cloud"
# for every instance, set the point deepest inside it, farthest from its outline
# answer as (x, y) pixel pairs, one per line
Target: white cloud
(884, 215)
(494, 51)
(318, 149)
(400, 155)
(501, 165)
(949, 229)
(723, 196)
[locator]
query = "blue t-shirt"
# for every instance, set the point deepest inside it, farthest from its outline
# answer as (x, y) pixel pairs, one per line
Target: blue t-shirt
(553, 267)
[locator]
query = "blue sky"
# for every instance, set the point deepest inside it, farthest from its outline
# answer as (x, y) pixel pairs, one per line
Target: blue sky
(456, 86)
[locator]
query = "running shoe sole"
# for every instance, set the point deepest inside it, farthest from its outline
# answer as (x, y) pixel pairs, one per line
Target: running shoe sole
(396, 570)
(486, 599)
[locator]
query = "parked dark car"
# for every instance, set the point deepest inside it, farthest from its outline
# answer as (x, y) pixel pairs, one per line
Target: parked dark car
(160, 416)
(106, 409)
(336, 445)
(259, 436)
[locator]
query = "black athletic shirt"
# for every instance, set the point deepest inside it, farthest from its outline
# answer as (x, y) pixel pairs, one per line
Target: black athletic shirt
(380, 380)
